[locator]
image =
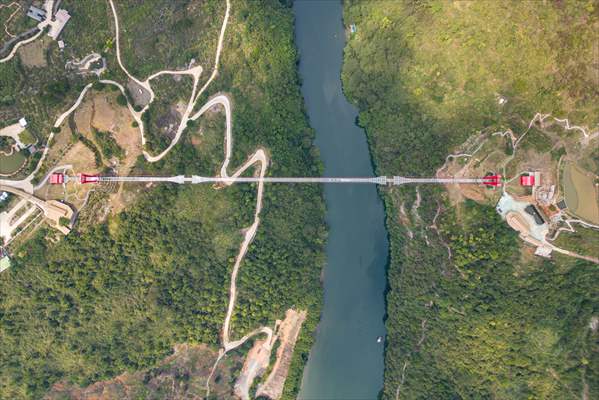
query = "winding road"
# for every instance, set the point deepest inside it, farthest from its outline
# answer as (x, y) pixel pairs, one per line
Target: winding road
(195, 72)
(258, 159)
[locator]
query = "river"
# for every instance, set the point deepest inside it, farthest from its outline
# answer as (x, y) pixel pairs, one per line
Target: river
(346, 361)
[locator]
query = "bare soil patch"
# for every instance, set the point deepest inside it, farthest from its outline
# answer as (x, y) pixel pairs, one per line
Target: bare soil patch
(254, 366)
(111, 117)
(64, 151)
(34, 54)
(80, 157)
(103, 113)
(84, 115)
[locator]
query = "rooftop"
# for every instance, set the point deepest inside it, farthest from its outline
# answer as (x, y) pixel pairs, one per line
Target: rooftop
(61, 18)
(36, 13)
(4, 263)
(527, 180)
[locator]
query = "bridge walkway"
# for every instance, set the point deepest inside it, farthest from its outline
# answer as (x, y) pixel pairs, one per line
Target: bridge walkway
(377, 180)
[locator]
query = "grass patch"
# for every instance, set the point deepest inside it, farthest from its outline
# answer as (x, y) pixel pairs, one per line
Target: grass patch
(11, 164)
(27, 137)
(89, 29)
(449, 67)
(537, 140)
(584, 241)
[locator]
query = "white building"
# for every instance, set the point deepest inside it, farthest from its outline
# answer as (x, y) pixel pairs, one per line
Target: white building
(61, 18)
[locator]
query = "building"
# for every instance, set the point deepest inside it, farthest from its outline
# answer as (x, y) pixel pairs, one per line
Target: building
(536, 214)
(562, 204)
(56, 178)
(23, 122)
(545, 195)
(36, 13)
(4, 263)
(61, 18)
(527, 180)
(4, 259)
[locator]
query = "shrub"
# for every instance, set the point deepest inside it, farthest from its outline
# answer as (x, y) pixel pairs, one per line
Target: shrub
(121, 100)
(97, 85)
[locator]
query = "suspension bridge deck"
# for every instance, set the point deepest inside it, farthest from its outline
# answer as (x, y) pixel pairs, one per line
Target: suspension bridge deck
(377, 180)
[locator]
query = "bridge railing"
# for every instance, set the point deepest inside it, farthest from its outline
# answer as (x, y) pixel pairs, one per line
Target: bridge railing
(378, 180)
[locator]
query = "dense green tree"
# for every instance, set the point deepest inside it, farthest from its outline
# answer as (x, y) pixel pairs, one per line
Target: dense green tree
(472, 314)
(116, 296)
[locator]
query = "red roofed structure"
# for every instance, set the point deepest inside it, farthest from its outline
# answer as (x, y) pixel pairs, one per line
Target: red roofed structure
(57, 178)
(527, 180)
(492, 180)
(84, 178)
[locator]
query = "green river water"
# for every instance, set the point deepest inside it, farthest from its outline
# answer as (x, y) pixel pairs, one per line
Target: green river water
(346, 361)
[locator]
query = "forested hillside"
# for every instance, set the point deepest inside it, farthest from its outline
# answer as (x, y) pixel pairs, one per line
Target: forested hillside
(470, 315)
(116, 296)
